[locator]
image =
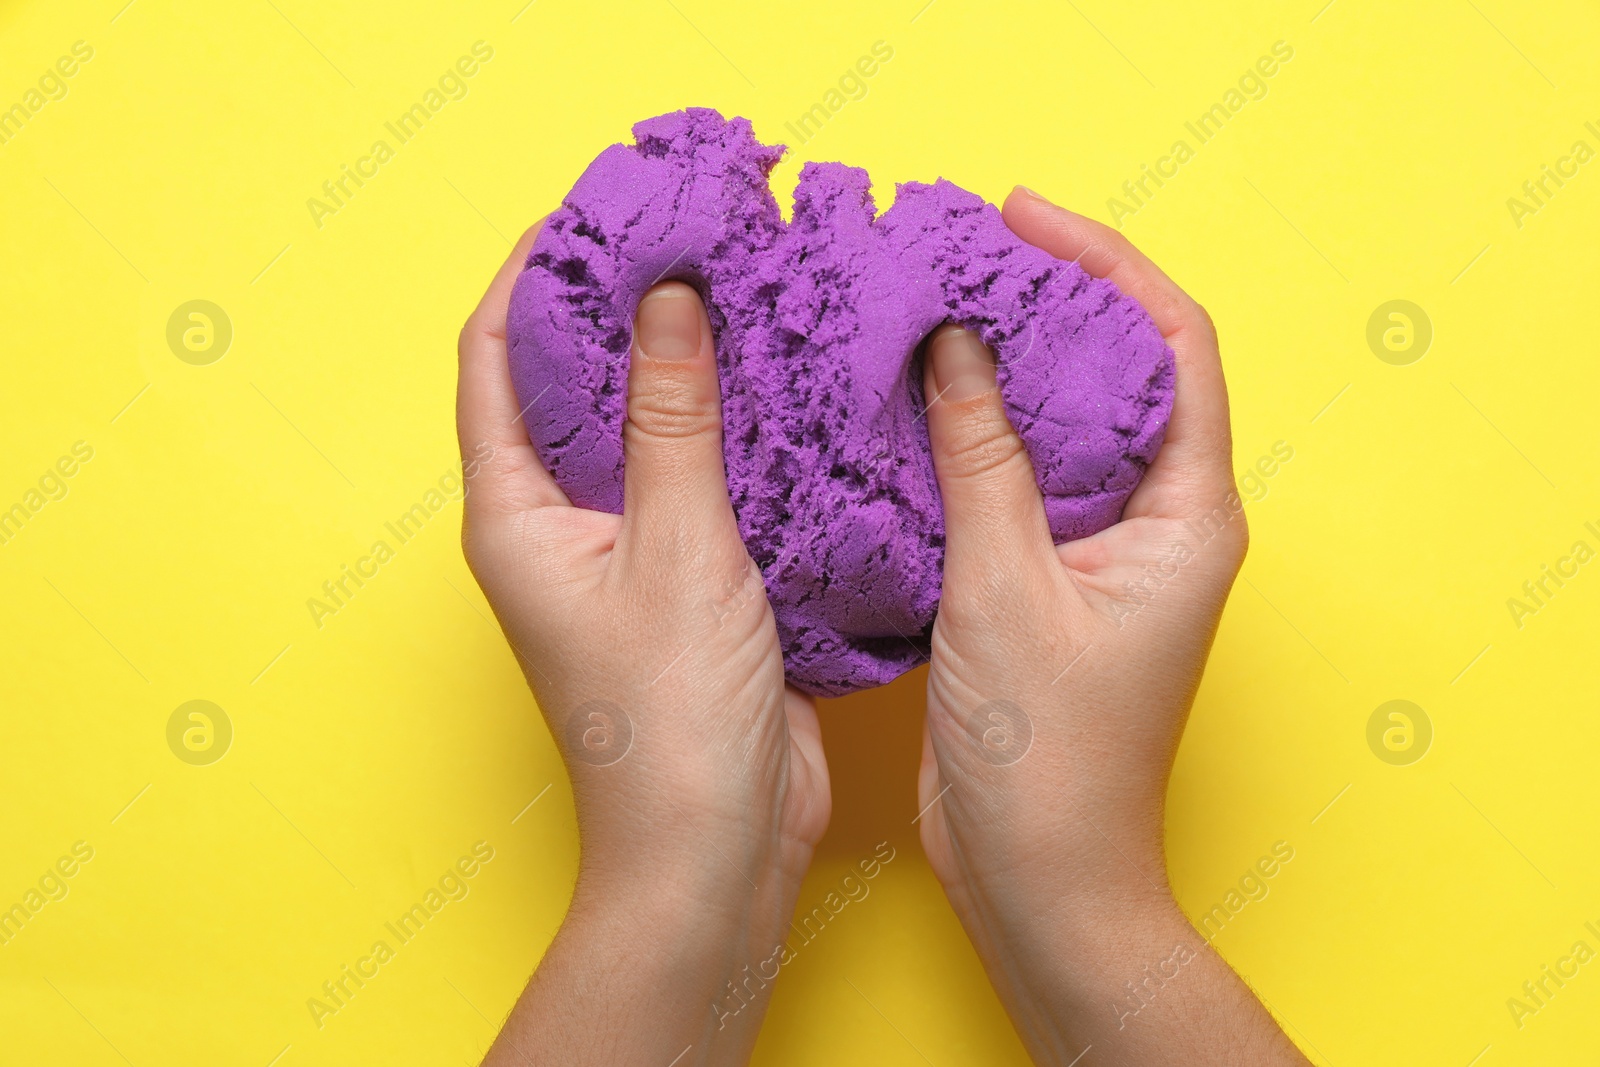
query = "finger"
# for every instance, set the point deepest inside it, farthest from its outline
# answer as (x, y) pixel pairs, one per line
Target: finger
(498, 463)
(1194, 468)
(673, 481)
(992, 507)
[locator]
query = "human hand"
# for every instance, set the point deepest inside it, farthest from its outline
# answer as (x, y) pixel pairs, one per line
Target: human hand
(697, 775)
(1060, 680)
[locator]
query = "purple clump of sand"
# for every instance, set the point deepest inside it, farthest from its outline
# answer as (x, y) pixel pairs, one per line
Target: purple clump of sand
(818, 323)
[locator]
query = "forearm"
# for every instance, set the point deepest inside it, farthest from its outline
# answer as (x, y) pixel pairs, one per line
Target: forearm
(1120, 977)
(666, 969)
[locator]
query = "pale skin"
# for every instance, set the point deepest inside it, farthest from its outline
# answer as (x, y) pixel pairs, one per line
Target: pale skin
(699, 777)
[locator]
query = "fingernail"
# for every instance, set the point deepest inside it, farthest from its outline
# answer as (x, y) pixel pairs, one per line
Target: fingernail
(669, 323)
(963, 366)
(1025, 191)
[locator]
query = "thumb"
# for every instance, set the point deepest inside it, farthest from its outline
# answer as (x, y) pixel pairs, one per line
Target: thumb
(992, 507)
(675, 489)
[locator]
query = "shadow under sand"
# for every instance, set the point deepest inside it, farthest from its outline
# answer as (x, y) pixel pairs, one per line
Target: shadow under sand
(874, 744)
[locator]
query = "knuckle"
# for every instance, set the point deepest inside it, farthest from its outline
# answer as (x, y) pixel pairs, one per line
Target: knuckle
(480, 325)
(671, 406)
(979, 600)
(672, 423)
(983, 444)
(1118, 243)
(1240, 543)
(469, 546)
(485, 553)
(1223, 525)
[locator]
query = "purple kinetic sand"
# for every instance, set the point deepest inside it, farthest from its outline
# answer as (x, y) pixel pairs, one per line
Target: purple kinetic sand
(817, 326)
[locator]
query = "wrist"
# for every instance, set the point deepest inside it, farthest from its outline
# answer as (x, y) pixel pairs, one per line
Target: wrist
(1126, 974)
(1031, 839)
(705, 942)
(1088, 904)
(653, 965)
(1083, 964)
(692, 901)
(725, 866)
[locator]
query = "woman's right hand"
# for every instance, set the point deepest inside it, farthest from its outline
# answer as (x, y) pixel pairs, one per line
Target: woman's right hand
(1061, 677)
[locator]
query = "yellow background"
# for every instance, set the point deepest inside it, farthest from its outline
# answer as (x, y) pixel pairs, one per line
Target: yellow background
(372, 752)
